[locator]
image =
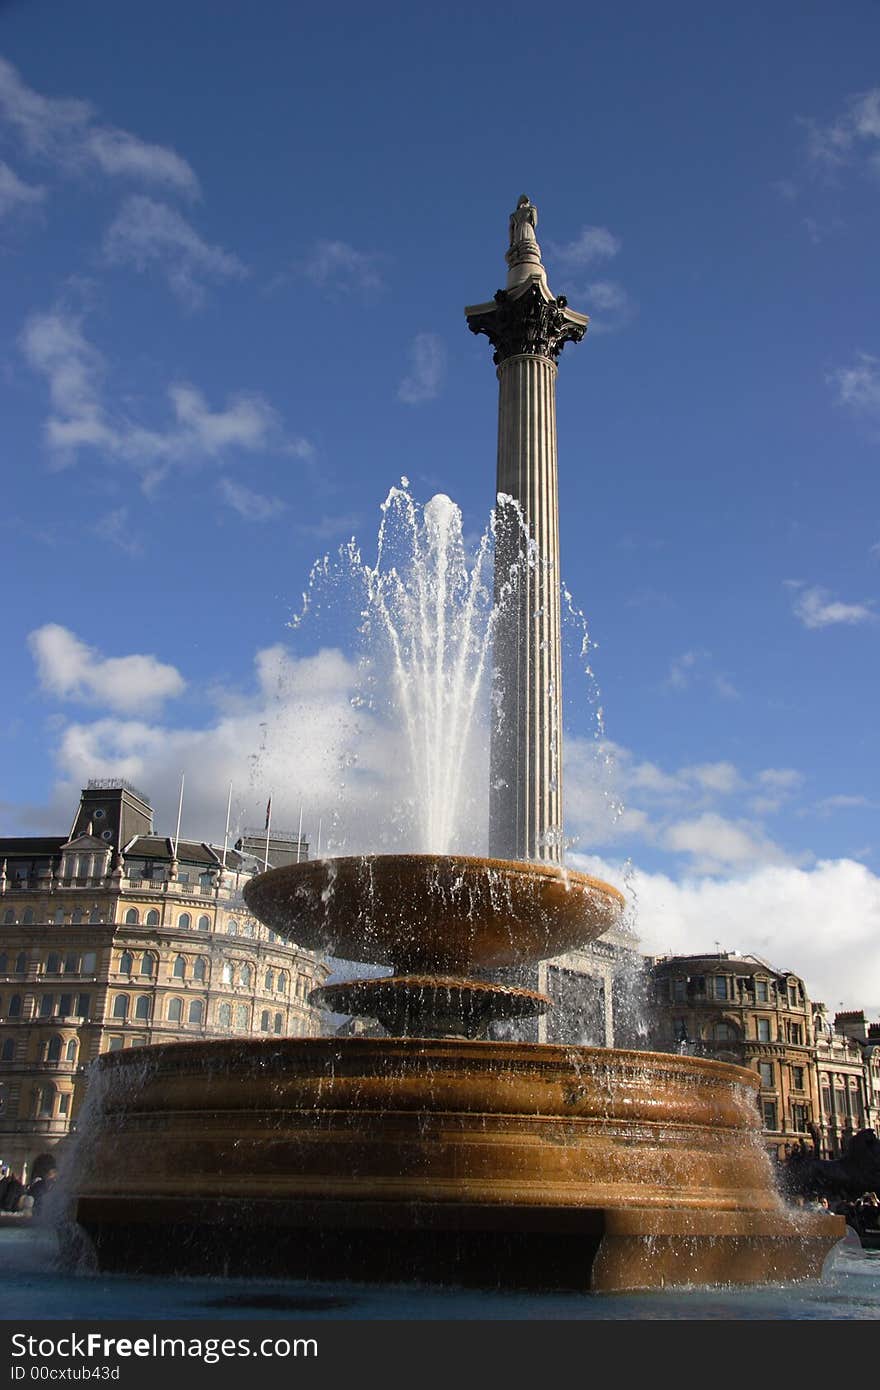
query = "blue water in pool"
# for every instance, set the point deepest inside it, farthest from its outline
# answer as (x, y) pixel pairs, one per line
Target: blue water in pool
(31, 1286)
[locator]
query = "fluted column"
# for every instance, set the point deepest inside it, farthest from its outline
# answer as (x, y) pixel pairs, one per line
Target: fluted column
(528, 328)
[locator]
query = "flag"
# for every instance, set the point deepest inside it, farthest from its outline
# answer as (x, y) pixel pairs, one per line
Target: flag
(268, 813)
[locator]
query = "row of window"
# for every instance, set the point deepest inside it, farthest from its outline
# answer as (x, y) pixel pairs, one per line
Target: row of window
(728, 987)
(95, 917)
(50, 1005)
(789, 1032)
(52, 1051)
(800, 1116)
(227, 1016)
(232, 973)
(152, 918)
(70, 963)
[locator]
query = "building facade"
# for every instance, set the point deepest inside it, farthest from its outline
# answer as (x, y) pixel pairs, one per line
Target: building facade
(740, 1009)
(115, 937)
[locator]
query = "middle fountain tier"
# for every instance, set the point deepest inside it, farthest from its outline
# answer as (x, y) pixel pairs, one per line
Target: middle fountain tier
(435, 919)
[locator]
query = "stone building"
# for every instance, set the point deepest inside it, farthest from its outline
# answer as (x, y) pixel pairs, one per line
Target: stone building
(114, 937)
(738, 1008)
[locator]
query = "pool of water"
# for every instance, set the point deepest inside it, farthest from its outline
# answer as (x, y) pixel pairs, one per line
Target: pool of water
(31, 1286)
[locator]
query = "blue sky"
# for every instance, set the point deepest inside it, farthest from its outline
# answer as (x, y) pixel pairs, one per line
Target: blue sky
(235, 246)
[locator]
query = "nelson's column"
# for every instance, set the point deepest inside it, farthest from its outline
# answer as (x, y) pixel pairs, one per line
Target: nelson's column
(528, 327)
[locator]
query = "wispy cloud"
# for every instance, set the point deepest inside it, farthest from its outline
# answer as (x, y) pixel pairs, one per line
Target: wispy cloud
(15, 194)
(851, 136)
(66, 133)
(609, 305)
(71, 670)
(153, 236)
(815, 607)
(250, 505)
(591, 245)
(425, 377)
(697, 668)
(340, 268)
(115, 528)
(858, 386)
(55, 346)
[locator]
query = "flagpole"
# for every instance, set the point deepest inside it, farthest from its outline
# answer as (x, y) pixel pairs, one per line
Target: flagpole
(268, 823)
(179, 814)
(300, 833)
(226, 834)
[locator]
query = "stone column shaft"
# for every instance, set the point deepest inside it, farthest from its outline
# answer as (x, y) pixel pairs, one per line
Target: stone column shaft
(525, 808)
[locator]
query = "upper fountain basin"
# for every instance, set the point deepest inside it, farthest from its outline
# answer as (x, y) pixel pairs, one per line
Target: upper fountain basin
(433, 912)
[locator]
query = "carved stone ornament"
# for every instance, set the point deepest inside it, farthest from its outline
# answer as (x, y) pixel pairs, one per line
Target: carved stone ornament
(529, 323)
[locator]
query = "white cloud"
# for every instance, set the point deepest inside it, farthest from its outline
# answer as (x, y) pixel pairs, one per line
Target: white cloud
(340, 268)
(715, 777)
(823, 922)
(151, 235)
(54, 345)
(65, 132)
(858, 386)
(297, 736)
(71, 670)
(609, 305)
(423, 382)
(252, 506)
(716, 844)
(15, 193)
(853, 133)
(592, 244)
(815, 608)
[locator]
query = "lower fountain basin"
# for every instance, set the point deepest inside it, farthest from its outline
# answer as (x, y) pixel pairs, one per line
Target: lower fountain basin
(418, 1158)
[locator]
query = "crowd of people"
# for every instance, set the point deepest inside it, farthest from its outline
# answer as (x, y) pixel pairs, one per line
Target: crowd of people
(20, 1200)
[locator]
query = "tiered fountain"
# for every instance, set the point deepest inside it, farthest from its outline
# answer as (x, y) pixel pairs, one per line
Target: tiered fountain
(436, 1151)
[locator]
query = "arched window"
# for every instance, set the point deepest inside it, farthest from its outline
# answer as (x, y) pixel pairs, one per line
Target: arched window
(76, 917)
(142, 1006)
(179, 971)
(126, 962)
(71, 1050)
(45, 1102)
(200, 970)
(184, 921)
(224, 1016)
(53, 1050)
(28, 917)
(175, 1010)
(232, 927)
(278, 1021)
(9, 917)
(148, 965)
(53, 963)
(15, 1006)
(226, 976)
(196, 1011)
(724, 1032)
(89, 963)
(21, 963)
(248, 929)
(132, 916)
(8, 1052)
(241, 1016)
(264, 1021)
(247, 975)
(204, 923)
(95, 916)
(269, 982)
(120, 1006)
(152, 918)
(281, 984)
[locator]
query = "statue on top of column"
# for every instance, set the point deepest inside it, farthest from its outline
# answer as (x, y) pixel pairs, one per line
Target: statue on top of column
(523, 221)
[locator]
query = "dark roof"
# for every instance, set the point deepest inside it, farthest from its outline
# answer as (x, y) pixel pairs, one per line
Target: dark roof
(31, 846)
(162, 847)
(740, 965)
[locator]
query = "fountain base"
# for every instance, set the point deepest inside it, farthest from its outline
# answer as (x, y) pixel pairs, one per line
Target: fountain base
(470, 1161)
